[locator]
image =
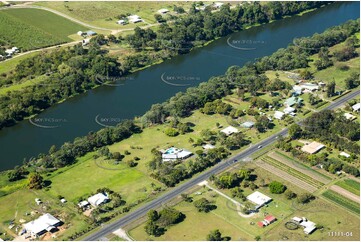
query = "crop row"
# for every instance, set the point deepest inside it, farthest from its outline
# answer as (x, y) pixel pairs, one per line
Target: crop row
(342, 201)
(293, 172)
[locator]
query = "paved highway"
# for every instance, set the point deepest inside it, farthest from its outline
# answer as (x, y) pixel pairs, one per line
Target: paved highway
(109, 228)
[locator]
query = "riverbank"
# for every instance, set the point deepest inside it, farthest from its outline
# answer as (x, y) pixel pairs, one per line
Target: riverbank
(155, 62)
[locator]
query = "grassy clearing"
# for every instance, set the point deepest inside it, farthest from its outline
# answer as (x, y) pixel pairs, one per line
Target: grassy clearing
(17, 205)
(104, 14)
(88, 175)
(34, 28)
(350, 185)
(197, 225)
(10, 64)
(323, 213)
(342, 201)
(19, 86)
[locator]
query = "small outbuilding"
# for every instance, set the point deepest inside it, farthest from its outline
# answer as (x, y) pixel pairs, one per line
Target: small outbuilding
(208, 146)
(247, 124)
(349, 116)
(90, 33)
(83, 204)
(356, 107)
(344, 154)
(121, 22)
(163, 11)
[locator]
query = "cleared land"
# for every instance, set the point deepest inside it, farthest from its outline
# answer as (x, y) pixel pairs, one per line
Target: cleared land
(105, 14)
(34, 28)
(286, 176)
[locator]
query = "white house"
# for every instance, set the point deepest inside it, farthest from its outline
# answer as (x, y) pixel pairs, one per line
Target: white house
(173, 153)
(218, 4)
(134, 19)
(356, 107)
(43, 224)
(229, 130)
(121, 22)
(163, 11)
(98, 199)
(278, 115)
(259, 199)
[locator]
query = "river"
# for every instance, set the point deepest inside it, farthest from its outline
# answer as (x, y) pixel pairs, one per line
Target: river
(107, 105)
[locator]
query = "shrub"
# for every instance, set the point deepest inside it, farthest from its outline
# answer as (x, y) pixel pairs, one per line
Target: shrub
(171, 132)
(276, 187)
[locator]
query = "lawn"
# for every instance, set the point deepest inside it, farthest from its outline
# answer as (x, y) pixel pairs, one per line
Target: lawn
(323, 213)
(88, 175)
(19, 86)
(342, 201)
(20, 204)
(104, 14)
(350, 185)
(74, 182)
(34, 28)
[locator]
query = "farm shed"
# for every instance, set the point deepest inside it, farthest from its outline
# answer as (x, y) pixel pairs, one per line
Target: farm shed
(312, 147)
(44, 223)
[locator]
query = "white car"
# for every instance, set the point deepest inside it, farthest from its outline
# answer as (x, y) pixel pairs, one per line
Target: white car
(260, 146)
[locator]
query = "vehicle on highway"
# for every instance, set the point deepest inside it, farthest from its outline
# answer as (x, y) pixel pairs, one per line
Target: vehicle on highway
(260, 146)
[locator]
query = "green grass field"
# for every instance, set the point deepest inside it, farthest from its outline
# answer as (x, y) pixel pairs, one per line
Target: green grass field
(342, 201)
(104, 14)
(34, 28)
(350, 185)
(10, 64)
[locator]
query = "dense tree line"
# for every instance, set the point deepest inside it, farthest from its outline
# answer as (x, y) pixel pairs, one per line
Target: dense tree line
(69, 151)
(56, 76)
(197, 27)
(332, 129)
(159, 221)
